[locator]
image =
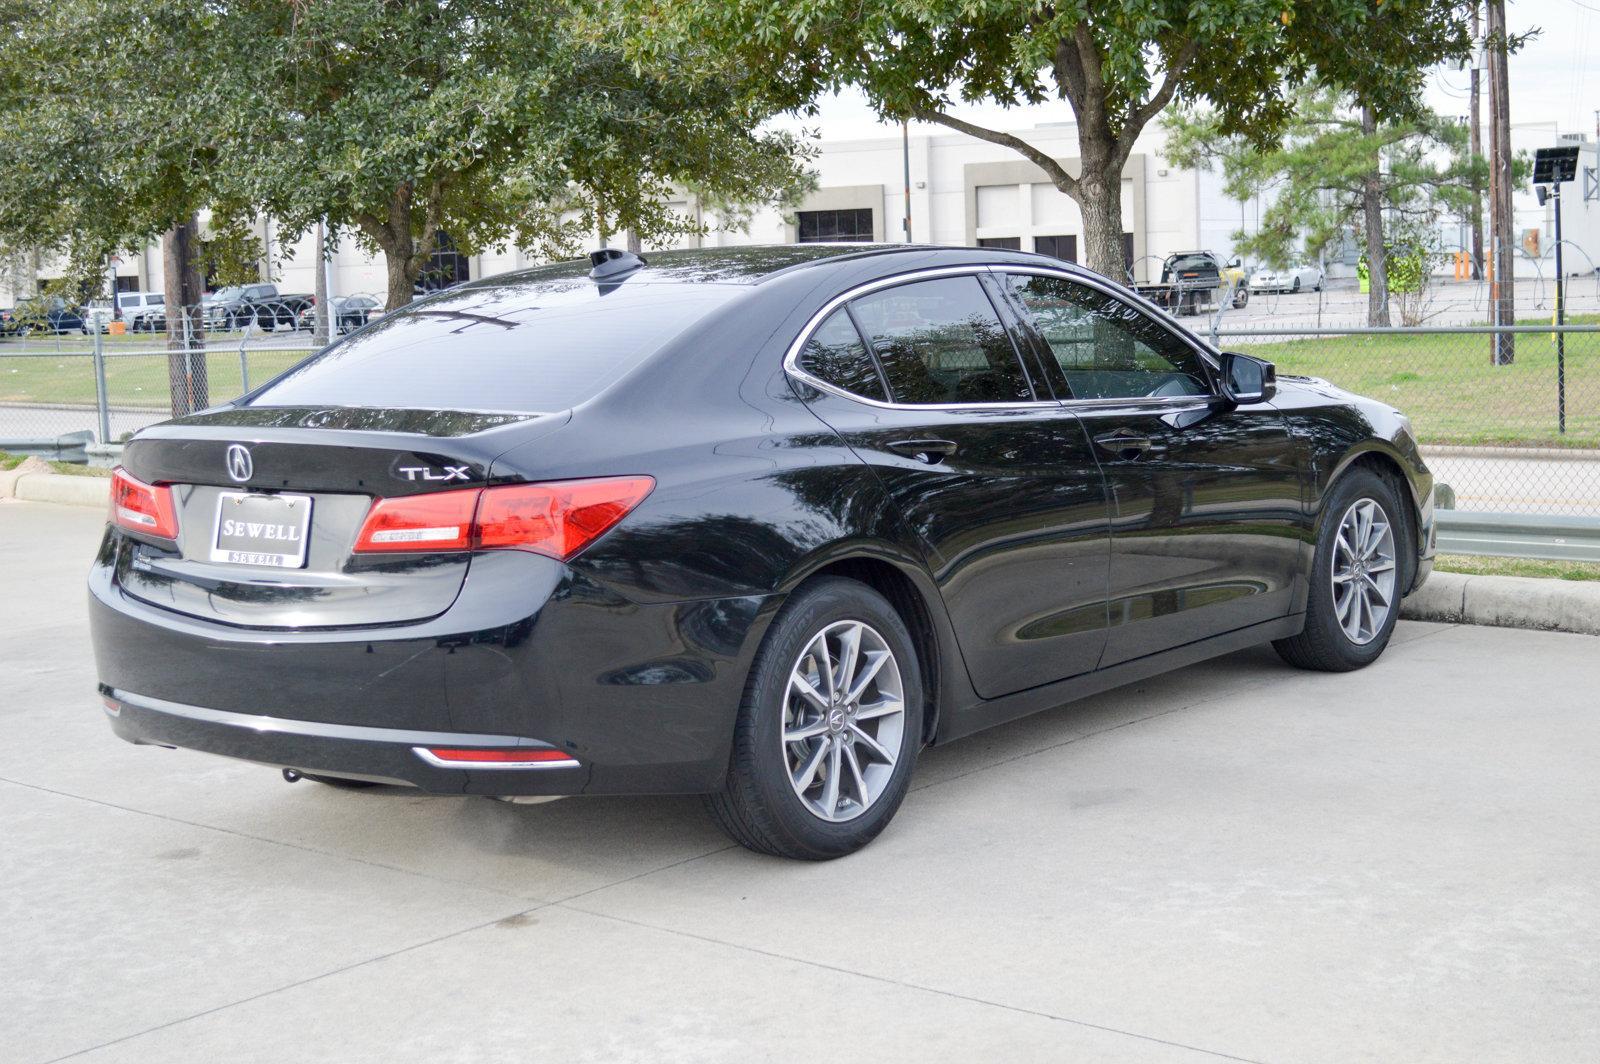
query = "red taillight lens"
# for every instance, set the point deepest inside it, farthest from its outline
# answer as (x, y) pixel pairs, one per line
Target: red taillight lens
(440, 521)
(557, 519)
(141, 507)
(545, 756)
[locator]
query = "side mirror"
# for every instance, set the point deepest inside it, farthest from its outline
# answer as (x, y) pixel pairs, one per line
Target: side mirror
(1246, 379)
(1235, 261)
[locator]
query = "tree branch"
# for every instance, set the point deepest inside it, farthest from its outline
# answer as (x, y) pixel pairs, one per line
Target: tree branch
(1142, 115)
(1057, 173)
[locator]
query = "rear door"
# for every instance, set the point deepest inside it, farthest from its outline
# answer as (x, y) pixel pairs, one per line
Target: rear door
(1205, 496)
(925, 383)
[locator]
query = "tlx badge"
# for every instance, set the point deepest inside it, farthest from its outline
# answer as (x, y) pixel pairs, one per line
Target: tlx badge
(449, 472)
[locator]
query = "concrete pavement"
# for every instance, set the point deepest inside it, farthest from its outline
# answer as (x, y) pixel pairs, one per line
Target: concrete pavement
(1233, 862)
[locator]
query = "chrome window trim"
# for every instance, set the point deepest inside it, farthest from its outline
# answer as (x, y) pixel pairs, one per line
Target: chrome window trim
(791, 358)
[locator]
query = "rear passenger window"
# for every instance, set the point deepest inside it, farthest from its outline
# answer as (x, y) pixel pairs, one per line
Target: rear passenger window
(836, 354)
(942, 342)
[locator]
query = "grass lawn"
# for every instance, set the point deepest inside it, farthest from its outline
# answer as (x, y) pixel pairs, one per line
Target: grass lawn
(1448, 387)
(11, 461)
(1482, 565)
(133, 377)
(1444, 381)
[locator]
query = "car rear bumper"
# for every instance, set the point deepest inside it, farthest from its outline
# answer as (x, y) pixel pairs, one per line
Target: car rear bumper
(386, 755)
(531, 655)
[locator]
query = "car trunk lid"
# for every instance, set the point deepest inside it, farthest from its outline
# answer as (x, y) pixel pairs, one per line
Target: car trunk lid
(270, 501)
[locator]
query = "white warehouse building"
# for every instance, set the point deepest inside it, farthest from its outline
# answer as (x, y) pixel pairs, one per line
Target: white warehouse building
(962, 191)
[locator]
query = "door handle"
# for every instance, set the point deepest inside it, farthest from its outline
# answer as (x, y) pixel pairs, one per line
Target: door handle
(930, 451)
(1126, 445)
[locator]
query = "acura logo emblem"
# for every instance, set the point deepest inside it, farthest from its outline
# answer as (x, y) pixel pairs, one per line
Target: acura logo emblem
(240, 467)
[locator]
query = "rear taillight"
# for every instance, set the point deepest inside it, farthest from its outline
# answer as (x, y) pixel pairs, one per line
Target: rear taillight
(141, 507)
(440, 521)
(557, 519)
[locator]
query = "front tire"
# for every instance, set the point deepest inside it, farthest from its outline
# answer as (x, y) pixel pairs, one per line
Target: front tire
(829, 727)
(1359, 572)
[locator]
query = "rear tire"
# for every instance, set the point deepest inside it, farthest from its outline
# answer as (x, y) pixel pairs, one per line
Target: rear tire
(799, 753)
(1361, 568)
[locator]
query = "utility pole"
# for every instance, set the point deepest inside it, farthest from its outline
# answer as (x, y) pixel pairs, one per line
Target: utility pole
(905, 155)
(1502, 282)
(1476, 144)
(324, 319)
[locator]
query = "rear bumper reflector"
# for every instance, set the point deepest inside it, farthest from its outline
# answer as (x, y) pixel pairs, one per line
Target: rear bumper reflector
(523, 757)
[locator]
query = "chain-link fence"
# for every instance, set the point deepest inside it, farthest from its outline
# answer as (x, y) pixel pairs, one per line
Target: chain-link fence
(74, 380)
(1508, 418)
(1517, 436)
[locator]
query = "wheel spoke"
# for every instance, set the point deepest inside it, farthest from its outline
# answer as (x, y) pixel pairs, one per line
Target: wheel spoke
(806, 731)
(855, 775)
(1342, 603)
(875, 661)
(1350, 617)
(808, 772)
(885, 707)
(1374, 591)
(801, 683)
(878, 750)
(1375, 536)
(830, 788)
(849, 652)
(824, 660)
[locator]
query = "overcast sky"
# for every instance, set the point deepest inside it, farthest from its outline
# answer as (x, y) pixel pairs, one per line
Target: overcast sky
(1552, 79)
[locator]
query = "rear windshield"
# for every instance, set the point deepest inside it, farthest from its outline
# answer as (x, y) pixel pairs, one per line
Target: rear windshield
(520, 347)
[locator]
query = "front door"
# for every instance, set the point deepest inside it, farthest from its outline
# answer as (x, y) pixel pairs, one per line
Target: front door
(999, 484)
(1205, 496)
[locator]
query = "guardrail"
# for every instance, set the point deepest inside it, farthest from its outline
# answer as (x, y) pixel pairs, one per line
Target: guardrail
(1566, 539)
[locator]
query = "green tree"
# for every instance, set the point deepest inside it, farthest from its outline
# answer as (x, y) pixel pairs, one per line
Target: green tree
(489, 120)
(102, 126)
(1338, 169)
(1117, 65)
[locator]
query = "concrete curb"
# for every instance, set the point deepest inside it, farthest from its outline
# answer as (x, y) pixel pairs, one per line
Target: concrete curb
(32, 481)
(1507, 602)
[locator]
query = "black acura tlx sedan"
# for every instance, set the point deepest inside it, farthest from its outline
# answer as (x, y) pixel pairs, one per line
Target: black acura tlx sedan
(753, 523)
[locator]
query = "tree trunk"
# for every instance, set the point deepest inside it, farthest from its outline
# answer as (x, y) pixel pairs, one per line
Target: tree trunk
(402, 285)
(1100, 202)
(186, 360)
(1372, 217)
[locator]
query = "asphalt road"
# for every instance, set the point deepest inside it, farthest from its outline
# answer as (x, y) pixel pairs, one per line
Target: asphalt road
(1233, 862)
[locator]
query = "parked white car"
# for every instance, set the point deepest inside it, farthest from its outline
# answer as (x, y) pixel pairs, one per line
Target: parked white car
(135, 307)
(1304, 277)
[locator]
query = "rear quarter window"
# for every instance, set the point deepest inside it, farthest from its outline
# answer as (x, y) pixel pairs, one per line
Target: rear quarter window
(517, 347)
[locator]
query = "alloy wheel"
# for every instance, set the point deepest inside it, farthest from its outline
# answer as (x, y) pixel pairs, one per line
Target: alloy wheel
(843, 721)
(1363, 571)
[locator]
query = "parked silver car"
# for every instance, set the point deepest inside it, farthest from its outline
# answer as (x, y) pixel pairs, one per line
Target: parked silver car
(1290, 279)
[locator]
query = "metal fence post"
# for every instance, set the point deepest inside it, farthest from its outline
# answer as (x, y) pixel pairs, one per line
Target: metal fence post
(101, 400)
(244, 366)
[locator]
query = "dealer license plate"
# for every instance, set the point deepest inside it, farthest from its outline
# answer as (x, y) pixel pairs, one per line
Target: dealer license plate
(257, 529)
